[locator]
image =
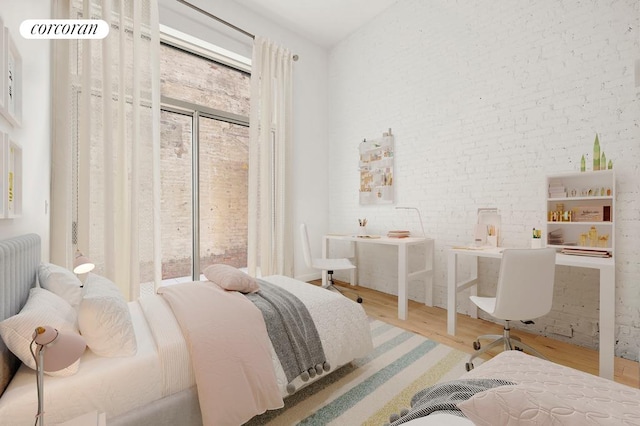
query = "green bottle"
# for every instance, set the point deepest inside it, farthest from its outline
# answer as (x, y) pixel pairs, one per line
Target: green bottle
(610, 165)
(603, 161)
(596, 154)
(582, 164)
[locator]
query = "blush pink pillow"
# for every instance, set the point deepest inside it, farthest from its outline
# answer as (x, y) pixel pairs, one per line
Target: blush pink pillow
(230, 278)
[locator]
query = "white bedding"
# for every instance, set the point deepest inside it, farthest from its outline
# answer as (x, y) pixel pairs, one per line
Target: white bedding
(549, 393)
(110, 385)
(162, 366)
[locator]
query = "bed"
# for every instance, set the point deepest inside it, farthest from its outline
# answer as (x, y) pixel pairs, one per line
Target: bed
(541, 393)
(156, 385)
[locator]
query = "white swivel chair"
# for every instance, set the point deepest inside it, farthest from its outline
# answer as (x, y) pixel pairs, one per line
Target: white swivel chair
(524, 292)
(328, 265)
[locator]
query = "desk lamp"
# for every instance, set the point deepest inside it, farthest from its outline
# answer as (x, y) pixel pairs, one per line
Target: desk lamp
(419, 217)
(54, 351)
(82, 264)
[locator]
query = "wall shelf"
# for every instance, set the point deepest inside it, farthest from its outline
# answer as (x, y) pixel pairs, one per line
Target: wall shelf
(580, 209)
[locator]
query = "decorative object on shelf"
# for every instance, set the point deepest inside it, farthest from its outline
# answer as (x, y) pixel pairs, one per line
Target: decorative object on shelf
(376, 170)
(53, 351)
(596, 154)
(610, 166)
(582, 164)
(12, 80)
(536, 238)
(419, 217)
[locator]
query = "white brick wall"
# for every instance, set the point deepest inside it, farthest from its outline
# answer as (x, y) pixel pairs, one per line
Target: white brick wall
(484, 99)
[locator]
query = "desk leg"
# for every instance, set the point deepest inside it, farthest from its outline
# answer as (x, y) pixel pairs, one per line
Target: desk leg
(403, 267)
(354, 272)
(428, 266)
(325, 253)
(452, 293)
(473, 290)
(607, 321)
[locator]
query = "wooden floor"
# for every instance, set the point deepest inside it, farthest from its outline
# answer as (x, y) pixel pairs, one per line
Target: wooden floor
(432, 323)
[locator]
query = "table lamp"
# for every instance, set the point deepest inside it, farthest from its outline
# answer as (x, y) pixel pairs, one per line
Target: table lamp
(82, 264)
(419, 216)
(54, 351)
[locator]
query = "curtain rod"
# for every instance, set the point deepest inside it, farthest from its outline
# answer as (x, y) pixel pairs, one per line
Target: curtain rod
(222, 21)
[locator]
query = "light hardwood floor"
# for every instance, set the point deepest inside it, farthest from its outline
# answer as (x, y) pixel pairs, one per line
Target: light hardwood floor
(432, 323)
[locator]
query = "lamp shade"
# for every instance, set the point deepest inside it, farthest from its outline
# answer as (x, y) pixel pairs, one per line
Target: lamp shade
(59, 350)
(82, 264)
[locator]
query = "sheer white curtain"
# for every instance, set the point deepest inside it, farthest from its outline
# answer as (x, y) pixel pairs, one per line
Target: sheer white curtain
(105, 195)
(270, 239)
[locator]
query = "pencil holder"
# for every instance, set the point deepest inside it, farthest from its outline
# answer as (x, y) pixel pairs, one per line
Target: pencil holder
(362, 231)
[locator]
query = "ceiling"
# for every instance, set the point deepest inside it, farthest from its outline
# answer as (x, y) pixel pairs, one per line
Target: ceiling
(325, 22)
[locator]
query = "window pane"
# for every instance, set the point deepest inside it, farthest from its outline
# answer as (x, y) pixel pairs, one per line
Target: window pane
(191, 78)
(224, 158)
(175, 178)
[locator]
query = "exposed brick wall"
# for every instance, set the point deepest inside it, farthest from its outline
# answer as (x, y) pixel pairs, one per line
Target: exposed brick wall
(223, 165)
(484, 100)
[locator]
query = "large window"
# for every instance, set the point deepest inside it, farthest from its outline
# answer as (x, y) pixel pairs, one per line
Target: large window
(204, 163)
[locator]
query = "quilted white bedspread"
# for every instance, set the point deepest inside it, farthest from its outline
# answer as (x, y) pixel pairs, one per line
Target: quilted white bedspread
(549, 393)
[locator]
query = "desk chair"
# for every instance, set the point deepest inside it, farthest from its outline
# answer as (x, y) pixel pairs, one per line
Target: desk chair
(524, 292)
(328, 265)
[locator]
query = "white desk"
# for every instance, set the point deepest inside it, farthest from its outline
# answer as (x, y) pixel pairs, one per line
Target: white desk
(404, 275)
(606, 266)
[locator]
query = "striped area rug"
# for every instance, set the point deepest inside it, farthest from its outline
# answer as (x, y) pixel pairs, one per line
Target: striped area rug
(370, 389)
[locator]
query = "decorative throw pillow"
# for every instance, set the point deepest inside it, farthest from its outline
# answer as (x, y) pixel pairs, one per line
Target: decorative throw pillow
(42, 308)
(104, 319)
(60, 281)
(528, 405)
(230, 278)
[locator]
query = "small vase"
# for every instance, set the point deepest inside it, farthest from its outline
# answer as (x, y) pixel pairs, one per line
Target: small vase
(362, 232)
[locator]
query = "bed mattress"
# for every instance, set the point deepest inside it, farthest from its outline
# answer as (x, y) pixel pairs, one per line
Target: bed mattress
(554, 393)
(162, 366)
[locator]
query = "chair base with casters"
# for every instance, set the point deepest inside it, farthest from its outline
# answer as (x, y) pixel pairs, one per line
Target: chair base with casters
(331, 286)
(510, 343)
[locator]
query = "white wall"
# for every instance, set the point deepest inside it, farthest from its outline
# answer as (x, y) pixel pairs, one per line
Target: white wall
(35, 133)
(484, 100)
(310, 124)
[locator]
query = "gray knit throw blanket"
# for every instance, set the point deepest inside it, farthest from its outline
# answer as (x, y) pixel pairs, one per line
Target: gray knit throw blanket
(292, 332)
(444, 398)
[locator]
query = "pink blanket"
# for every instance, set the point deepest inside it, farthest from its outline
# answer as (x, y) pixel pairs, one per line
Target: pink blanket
(230, 352)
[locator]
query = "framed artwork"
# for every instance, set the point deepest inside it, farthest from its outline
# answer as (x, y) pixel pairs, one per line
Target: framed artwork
(12, 70)
(3, 50)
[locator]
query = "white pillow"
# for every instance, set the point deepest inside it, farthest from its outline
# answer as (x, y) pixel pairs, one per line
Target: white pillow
(42, 308)
(60, 281)
(104, 319)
